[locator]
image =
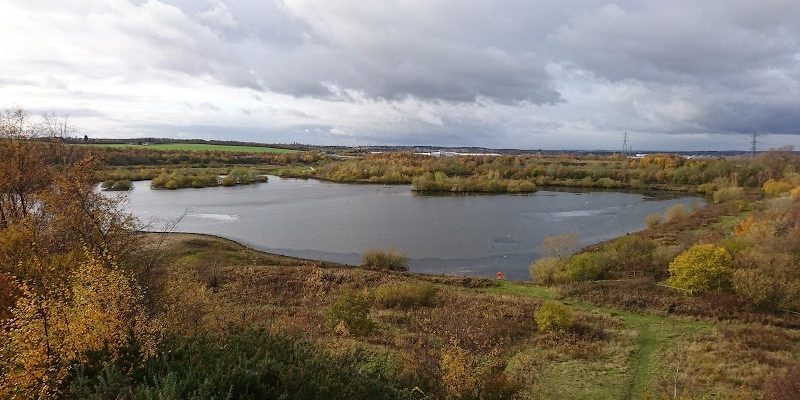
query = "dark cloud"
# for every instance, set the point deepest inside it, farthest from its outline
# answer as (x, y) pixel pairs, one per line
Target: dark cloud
(283, 49)
(463, 51)
(505, 72)
(737, 61)
(755, 116)
(680, 41)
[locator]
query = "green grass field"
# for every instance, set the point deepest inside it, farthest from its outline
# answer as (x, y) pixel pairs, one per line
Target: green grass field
(201, 147)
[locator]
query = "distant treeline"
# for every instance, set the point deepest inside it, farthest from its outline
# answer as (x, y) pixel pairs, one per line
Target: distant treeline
(153, 140)
(520, 173)
(143, 156)
(523, 173)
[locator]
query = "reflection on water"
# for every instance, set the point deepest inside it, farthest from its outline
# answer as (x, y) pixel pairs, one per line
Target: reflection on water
(218, 217)
(461, 234)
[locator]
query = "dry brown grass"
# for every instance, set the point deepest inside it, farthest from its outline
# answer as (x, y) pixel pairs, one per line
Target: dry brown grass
(406, 295)
(477, 337)
(645, 296)
(785, 385)
(736, 359)
(293, 299)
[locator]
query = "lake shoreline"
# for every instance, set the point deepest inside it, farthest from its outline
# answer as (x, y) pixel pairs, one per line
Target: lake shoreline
(152, 238)
(708, 208)
(318, 220)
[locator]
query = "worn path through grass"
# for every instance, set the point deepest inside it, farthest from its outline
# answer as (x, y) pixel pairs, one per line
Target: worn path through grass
(655, 335)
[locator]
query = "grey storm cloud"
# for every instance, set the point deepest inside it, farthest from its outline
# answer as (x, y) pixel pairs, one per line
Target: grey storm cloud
(467, 50)
(308, 54)
(682, 41)
(442, 71)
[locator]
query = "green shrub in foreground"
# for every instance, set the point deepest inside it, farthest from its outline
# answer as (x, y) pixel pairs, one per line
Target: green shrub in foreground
(385, 259)
(350, 311)
(553, 316)
(245, 365)
(406, 295)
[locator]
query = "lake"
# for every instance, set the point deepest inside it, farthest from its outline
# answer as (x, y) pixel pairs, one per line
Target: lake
(450, 234)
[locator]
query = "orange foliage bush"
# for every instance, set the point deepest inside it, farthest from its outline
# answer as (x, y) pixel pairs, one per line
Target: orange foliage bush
(97, 311)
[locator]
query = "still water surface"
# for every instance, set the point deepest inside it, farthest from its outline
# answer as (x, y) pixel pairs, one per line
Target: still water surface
(450, 234)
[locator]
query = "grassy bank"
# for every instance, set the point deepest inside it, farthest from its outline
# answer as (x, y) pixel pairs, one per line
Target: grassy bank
(474, 338)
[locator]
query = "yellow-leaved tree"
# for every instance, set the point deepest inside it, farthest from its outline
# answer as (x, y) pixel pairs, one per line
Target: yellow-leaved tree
(68, 277)
(98, 311)
(701, 268)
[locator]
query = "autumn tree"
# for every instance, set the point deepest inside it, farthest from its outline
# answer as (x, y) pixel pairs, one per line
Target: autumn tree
(767, 256)
(96, 311)
(26, 165)
(65, 257)
(701, 268)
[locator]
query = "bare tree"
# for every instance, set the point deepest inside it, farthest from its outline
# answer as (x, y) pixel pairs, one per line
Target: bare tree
(15, 123)
(23, 165)
(56, 127)
(29, 154)
(560, 246)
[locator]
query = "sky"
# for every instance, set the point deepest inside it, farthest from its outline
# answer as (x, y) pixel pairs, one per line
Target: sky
(546, 74)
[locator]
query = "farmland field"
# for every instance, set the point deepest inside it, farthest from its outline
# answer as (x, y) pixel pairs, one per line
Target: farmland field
(201, 147)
